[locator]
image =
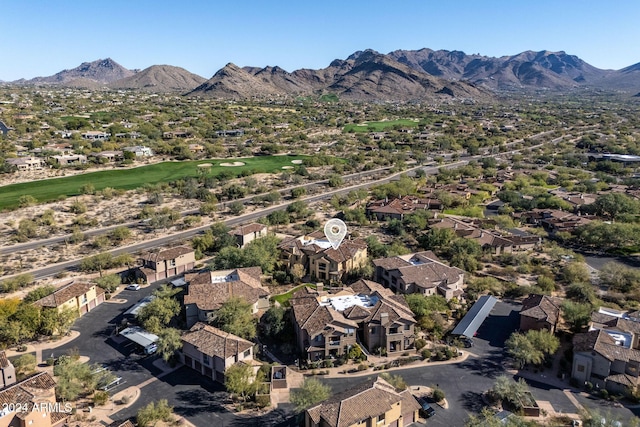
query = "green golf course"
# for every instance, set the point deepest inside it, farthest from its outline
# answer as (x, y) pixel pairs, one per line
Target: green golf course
(127, 179)
(379, 126)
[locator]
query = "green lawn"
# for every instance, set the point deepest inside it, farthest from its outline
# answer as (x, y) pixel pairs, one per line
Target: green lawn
(283, 299)
(128, 179)
(379, 126)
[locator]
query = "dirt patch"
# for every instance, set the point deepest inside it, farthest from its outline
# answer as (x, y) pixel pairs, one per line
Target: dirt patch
(232, 164)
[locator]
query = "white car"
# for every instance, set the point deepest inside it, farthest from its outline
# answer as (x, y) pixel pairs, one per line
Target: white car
(133, 287)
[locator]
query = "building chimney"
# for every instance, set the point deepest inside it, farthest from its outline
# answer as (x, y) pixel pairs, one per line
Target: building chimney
(384, 319)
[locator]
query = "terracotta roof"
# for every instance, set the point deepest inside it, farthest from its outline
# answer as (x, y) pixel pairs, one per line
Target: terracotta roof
(24, 392)
(422, 269)
(4, 362)
(601, 342)
(167, 254)
(215, 342)
(66, 293)
(208, 294)
(243, 230)
(368, 287)
(624, 379)
(541, 307)
(362, 402)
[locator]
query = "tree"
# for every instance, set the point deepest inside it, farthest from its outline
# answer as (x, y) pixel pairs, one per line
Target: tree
(39, 293)
(576, 272)
(238, 379)
(120, 234)
(74, 378)
(109, 283)
(298, 272)
(531, 347)
(25, 365)
(234, 316)
(311, 393)
(59, 322)
(154, 412)
(168, 342)
(97, 262)
(505, 388)
(158, 313)
(576, 314)
(395, 380)
(274, 321)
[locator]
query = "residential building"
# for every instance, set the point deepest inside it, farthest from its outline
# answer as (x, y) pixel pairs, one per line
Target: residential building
(176, 134)
(69, 159)
(539, 312)
(109, 156)
(491, 240)
(32, 403)
(7, 371)
(329, 324)
(245, 234)
(608, 355)
(166, 263)
(320, 260)
(94, 135)
(211, 351)
(81, 297)
(27, 163)
(207, 292)
(398, 208)
(139, 150)
(374, 403)
(420, 272)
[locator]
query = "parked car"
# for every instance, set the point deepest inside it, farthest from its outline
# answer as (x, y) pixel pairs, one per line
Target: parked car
(151, 348)
(112, 384)
(426, 410)
(133, 287)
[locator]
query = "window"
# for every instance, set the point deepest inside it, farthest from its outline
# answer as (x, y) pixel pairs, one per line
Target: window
(84, 299)
(350, 331)
(205, 359)
(580, 368)
(407, 327)
(381, 418)
(172, 263)
(246, 353)
(322, 266)
(393, 330)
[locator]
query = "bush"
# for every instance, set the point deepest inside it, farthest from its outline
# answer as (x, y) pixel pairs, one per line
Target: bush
(426, 354)
(263, 400)
(100, 397)
(362, 367)
(437, 395)
(420, 343)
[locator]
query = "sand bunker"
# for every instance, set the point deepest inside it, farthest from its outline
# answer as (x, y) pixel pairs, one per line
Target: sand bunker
(287, 167)
(296, 162)
(233, 164)
(205, 165)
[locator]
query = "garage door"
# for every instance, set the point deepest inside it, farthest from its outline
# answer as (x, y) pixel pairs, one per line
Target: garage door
(408, 418)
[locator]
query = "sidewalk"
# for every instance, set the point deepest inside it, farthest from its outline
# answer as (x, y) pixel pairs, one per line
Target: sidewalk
(37, 347)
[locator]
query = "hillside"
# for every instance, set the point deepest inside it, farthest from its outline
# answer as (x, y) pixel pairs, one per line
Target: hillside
(100, 71)
(160, 78)
(367, 76)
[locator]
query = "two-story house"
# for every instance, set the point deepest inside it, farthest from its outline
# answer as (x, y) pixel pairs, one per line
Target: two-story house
(211, 351)
(421, 273)
(539, 312)
(245, 234)
(320, 260)
(207, 291)
(328, 324)
(79, 296)
(374, 403)
(609, 354)
(166, 263)
(31, 403)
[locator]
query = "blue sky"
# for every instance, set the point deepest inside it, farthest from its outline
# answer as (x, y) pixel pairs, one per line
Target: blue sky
(40, 38)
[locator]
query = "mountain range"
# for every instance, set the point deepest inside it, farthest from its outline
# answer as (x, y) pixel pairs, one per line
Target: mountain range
(401, 75)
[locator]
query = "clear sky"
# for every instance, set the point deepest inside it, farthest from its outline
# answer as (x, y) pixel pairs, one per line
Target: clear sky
(42, 37)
